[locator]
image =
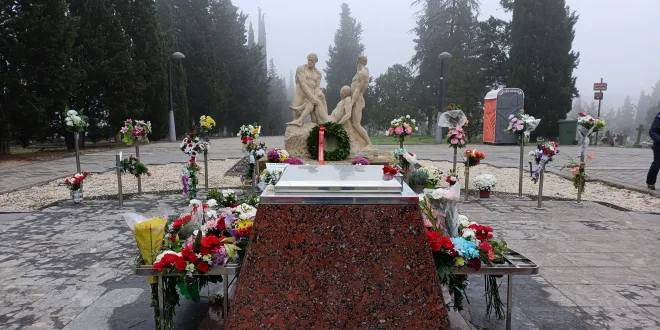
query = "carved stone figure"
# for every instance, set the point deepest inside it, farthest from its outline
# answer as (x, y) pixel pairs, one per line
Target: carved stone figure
(308, 98)
(359, 85)
(342, 113)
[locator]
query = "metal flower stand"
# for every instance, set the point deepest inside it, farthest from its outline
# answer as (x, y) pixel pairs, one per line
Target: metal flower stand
(119, 187)
(455, 152)
(467, 181)
(76, 139)
(224, 271)
(514, 264)
(139, 178)
(521, 139)
(579, 193)
(539, 206)
(206, 171)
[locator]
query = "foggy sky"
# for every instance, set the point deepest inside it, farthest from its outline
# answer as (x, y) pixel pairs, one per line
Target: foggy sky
(614, 38)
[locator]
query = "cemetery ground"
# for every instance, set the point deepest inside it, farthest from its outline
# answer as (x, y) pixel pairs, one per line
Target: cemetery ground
(69, 266)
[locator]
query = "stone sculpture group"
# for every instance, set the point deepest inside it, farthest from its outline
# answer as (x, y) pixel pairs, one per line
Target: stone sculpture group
(309, 100)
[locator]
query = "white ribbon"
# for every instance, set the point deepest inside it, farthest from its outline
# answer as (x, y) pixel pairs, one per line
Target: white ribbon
(251, 157)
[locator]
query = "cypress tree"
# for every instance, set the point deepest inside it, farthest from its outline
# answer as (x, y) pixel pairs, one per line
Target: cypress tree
(542, 60)
(341, 65)
(250, 36)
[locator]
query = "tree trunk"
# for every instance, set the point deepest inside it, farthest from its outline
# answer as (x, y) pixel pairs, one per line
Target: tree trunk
(4, 147)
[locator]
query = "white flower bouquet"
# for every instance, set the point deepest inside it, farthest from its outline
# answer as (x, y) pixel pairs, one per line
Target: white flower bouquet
(485, 182)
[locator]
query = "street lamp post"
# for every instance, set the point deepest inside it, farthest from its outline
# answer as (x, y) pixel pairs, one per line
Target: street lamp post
(438, 129)
(174, 56)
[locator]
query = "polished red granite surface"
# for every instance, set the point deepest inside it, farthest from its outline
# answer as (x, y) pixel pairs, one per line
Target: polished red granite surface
(338, 267)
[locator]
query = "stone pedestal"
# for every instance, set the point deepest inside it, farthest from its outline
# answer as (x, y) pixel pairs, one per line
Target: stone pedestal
(338, 267)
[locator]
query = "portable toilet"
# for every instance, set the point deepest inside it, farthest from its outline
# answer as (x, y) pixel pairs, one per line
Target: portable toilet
(498, 105)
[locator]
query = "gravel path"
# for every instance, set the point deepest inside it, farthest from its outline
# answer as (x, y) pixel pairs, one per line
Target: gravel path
(167, 178)
(555, 186)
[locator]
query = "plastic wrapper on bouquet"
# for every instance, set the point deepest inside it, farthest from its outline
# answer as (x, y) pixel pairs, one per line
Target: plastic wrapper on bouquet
(445, 202)
(452, 118)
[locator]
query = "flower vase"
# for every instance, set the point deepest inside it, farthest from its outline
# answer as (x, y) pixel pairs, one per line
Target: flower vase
(77, 195)
(484, 193)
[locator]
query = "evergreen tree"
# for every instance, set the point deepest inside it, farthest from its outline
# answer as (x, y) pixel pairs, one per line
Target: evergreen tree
(35, 49)
(278, 105)
(391, 94)
(250, 36)
(105, 85)
(542, 59)
(150, 60)
(170, 45)
(262, 39)
(654, 100)
(451, 26)
(341, 65)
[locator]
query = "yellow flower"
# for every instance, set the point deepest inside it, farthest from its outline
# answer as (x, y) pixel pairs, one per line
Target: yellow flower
(459, 261)
(282, 159)
(244, 224)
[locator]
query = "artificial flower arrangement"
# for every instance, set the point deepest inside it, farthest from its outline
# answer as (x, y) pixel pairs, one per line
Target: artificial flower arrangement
(402, 127)
(293, 161)
(472, 157)
(404, 159)
(543, 154)
(75, 182)
(189, 179)
(434, 174)
(485, 182)
(247, 132)
(360, 161)
(456, 137)
(206, 124)
(521, 123)
(222, 198)
(270, 176)
(578, 170)
(256, 149)
(471, 247)
(74, 121)
(452, 178)
(192, 146)
(135, 131)
(389, 172)
(590, 123)
(277, 155)
(133, 166)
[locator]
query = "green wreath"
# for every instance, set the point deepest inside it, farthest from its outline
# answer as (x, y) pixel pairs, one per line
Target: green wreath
(334, 130)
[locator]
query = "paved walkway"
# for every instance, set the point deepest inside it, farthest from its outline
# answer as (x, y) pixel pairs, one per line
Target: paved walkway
(625, 167)
(70, 267)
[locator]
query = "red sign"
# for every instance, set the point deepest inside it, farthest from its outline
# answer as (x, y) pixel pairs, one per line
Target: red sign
(598, 96)
(600, 86)
(321, 133)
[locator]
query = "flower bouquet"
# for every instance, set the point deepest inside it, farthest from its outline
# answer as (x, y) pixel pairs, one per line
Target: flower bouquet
(277, 155)
(256, 149)
(224, 198)
(360, 161)
(74, 121)
(452, 178)
(472, 157)
(247, 132)
(542, 155)
(75, 185)
(192, 146)
(269, 176)
(135, 131)
(485, 183)
(456, 137)
(473, 246)
(149, 234)
(206, 125)
(389, 172)
(578, 170)
(293, 161)
(433, 174)
(189, 179)
(133, 166)
(521, 123)
(402, 127)
(590, 124)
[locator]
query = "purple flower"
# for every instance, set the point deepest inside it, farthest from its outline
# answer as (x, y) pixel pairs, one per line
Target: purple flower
(274, 155)
(361, 161)
(219, 258)
(293, 161)
(184, 181)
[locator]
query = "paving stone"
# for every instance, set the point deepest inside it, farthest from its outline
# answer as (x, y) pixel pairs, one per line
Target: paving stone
(622, 318)
(594, 295)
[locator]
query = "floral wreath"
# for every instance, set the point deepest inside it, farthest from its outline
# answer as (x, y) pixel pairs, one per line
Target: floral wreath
(334, 130)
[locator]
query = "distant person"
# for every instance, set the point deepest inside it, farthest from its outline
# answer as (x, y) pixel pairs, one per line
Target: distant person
(654, 132)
